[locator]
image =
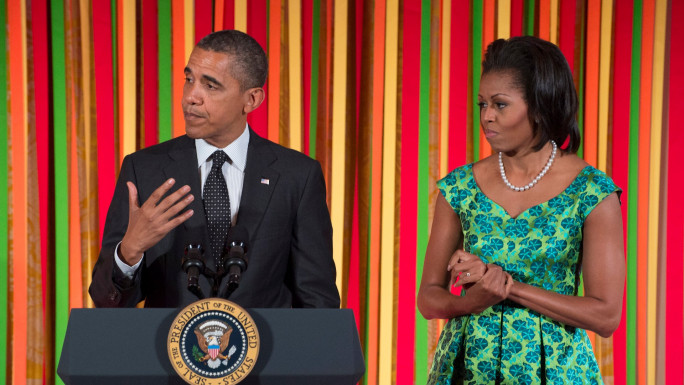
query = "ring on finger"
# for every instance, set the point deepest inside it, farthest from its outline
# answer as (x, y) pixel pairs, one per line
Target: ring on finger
(467, 274)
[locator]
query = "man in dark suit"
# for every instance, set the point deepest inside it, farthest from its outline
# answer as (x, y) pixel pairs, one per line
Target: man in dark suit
(276, 194)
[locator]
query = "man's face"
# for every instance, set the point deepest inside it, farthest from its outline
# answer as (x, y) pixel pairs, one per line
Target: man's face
(213, 106)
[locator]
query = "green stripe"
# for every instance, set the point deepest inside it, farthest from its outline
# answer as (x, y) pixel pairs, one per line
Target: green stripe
(4, 263)
(423, 183)
(165, 77)
(477, 70)
(61, 177)
(580, 107)
(528, 23)
(315, 52)
(633, 187)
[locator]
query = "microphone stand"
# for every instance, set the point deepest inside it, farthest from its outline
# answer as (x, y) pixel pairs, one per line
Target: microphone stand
(193, 264)
(234, 263)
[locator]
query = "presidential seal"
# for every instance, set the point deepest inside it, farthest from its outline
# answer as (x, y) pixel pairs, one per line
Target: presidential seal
(213, 341)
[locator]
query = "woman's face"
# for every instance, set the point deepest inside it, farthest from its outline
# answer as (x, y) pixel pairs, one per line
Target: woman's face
(503, 113)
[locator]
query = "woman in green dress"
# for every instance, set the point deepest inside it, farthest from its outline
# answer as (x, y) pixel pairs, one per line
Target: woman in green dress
(517, 229)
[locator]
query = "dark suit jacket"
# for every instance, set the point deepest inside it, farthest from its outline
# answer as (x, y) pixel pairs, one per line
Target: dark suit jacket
(282, 207)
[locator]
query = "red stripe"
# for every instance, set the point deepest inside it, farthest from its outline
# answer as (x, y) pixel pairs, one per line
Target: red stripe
(257, 27)
(458, 83)
(354, 280)
(151, 71)
(307, 41)
(104, 106)
(675, 207)
(620, 160)
(42, 118)
(229, 14)
(409, 193)
(567, 31)
(517, 9)
(203, 18)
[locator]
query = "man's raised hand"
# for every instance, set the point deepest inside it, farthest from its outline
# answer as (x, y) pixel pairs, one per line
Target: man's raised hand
(149, 223)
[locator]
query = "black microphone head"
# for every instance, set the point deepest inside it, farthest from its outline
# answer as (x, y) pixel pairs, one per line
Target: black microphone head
(193, 240)
(238, 236)
(194, 248)
(194, 252)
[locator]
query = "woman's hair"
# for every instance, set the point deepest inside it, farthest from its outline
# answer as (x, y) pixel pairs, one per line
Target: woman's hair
(541, 71)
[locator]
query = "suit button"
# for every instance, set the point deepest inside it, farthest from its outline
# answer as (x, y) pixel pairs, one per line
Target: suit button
(114, 296)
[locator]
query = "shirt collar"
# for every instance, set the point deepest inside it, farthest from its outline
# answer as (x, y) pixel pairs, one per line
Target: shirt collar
(237, 151)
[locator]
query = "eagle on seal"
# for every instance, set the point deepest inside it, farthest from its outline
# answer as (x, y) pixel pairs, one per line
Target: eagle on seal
(213, 343)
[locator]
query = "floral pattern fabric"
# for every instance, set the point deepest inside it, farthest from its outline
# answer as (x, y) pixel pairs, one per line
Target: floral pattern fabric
(508, 343)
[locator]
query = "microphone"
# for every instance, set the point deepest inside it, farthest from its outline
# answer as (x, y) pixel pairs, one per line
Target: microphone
(235, 258)
(193, 265)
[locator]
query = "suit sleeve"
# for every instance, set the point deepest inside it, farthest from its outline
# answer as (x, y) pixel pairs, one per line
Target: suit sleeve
(109, 286)
(312, 265)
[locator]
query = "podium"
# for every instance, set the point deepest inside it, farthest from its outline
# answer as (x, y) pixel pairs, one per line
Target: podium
(128, 346)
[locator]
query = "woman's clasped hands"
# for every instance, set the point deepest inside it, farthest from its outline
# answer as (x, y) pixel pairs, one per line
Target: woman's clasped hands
(485, 284)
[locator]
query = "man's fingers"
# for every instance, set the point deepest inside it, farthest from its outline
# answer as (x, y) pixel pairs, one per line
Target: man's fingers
(172, 224)
(159, 193)
(176, 197)
(132, 196)
(177, 205)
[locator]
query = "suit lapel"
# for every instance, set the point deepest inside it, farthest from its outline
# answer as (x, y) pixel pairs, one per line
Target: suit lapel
(260, 181)
(183, 167)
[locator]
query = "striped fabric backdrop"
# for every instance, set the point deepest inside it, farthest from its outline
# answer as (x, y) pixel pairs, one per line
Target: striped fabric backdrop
(381, 93)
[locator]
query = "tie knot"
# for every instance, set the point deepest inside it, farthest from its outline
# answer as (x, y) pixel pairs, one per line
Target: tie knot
(218, 157)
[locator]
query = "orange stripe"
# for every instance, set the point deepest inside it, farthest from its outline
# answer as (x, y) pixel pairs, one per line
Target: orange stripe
(647, 31)
(274, 71)
(592, 82)
(591, 97)
(488, 35)
(18, 183)
(75, 268)
(376, 186)
(218, 14)
(178, 64)
(545, 19)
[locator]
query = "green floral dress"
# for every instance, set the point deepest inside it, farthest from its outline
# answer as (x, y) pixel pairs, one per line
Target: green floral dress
(508, 343)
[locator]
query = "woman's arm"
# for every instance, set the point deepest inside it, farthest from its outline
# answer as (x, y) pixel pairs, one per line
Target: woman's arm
(603, 267)
(434, 297)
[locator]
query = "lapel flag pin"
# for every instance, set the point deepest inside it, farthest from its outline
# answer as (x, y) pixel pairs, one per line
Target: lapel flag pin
(264, 181)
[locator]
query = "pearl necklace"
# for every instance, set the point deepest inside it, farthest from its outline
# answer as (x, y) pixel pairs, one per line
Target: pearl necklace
(536, 179)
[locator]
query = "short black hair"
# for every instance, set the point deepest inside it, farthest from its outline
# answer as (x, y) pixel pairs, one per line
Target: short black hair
(541, 71)
(250, 65)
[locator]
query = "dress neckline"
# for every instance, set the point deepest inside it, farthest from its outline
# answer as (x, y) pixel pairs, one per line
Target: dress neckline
(501, 208)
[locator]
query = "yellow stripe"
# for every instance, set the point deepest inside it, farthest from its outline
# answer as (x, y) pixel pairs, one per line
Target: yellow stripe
(295, 72)
(339, 124)
(241, 15)
(604, 82)
(389, 153)
(189, 26)
(654, 186)
(503, 23)
(553, 22)
(129, 79)
(91, 178)
(444, 97)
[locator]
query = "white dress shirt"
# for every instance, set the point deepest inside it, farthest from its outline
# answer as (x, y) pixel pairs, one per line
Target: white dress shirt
(233, 172)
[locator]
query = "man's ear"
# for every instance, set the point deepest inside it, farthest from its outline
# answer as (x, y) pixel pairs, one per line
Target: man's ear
(254, 97)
